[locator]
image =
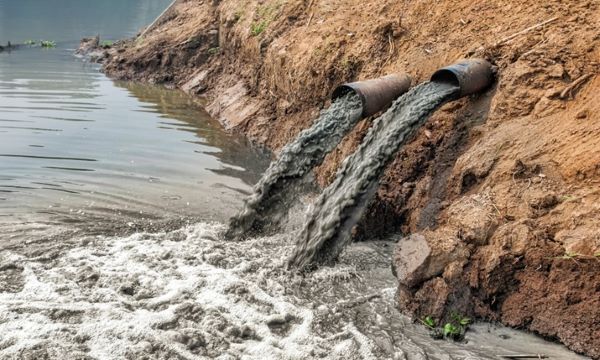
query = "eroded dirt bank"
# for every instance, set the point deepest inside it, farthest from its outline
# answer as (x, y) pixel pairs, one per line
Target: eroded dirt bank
(500, 192)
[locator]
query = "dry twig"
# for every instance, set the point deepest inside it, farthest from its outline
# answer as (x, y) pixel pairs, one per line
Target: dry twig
(568, 91)
(524, 31)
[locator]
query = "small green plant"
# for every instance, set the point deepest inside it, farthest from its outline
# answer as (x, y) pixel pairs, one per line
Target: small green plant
(455, 329)
(265, 14)
(47, 44)
(451, 330)
(30, 42)
(106, 44)
(429, 322)
(258, 28)
(214, 50)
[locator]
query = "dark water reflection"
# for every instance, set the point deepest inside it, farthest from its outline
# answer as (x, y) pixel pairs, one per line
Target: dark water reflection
(78, 148)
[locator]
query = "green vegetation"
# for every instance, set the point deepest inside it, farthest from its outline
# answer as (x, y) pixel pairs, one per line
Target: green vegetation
(265, 14)
(429, 322)
(258, 28)
(214, 50)
(47, 44)
(455, 329)
(30, 42)
(106, 44)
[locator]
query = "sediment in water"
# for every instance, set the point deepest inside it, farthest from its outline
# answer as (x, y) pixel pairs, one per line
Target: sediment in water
(340, 206)
(276, 190)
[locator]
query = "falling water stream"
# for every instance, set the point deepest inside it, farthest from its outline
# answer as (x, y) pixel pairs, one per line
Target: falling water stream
(274, 193)
(340, 206)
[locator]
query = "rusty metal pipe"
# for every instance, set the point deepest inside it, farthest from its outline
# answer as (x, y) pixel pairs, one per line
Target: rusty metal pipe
(375, 94)
(471, 75)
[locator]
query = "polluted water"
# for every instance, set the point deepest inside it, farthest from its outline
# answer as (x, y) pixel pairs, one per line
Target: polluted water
(274, 194)
(339, 207)
(191, 294)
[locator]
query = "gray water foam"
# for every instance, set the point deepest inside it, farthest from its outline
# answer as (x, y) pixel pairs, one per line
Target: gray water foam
(340, 206)
(272, 195)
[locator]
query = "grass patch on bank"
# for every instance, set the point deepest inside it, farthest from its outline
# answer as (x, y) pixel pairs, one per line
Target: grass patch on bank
(265, 14)
(258, 28)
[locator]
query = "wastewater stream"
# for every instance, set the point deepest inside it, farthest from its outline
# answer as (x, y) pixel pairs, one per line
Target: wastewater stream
(341, 205)
(114, 199)
(289, 174)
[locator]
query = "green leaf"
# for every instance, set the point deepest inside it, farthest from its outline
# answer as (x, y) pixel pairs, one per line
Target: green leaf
(465, 321)
(450, 329)
(429, 322)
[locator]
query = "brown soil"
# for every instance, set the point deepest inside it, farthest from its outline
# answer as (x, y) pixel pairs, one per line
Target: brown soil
(500, 191)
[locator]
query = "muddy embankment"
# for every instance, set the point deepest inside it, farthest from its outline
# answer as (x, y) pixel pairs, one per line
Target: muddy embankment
(498, 194)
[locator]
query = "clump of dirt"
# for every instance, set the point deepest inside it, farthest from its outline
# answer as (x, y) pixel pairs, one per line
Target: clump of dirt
(510, 177)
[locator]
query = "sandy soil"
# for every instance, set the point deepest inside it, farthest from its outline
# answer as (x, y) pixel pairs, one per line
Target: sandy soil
(499, 191)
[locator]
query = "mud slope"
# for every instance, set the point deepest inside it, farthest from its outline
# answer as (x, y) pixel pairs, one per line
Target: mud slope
(500, 192)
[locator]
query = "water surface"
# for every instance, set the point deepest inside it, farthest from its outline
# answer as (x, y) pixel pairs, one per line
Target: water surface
(79, 149)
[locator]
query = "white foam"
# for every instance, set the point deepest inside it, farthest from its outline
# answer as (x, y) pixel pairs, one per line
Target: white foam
(121, 297)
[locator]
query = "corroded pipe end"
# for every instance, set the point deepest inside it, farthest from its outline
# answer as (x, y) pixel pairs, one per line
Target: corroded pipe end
(472, 75)
(376, 94)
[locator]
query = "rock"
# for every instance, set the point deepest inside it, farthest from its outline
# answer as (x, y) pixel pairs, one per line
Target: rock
(197, 83)
(556, 71)
(409, 255)
(422, 256)
(87, 45)
(583, 114)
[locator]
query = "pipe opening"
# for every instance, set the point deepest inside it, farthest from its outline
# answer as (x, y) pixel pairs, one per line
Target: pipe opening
(471, 76)
(341, 91)
(375, 94)
(445, 76)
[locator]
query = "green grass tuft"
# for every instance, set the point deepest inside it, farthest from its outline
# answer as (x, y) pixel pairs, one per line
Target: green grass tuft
(47, 44)
(258, 28)
(214, 50)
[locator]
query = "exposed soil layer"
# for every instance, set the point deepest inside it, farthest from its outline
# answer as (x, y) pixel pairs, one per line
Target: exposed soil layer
(500, 191)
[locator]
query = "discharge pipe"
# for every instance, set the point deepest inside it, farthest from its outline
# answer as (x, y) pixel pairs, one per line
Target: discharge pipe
(471, 75)
(375, 94)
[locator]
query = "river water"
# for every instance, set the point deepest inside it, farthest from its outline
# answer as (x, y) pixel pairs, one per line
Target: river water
(76, 146)
(113, 198)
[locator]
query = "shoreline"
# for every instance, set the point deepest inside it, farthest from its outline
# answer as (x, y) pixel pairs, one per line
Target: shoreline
(496, 193)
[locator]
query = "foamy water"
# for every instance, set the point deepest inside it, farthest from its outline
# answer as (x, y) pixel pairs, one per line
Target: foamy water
(188, 294)
(181, 294)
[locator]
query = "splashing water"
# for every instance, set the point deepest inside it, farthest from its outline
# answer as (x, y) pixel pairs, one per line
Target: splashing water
(191, 294)
(340, 206)
(272, 195)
